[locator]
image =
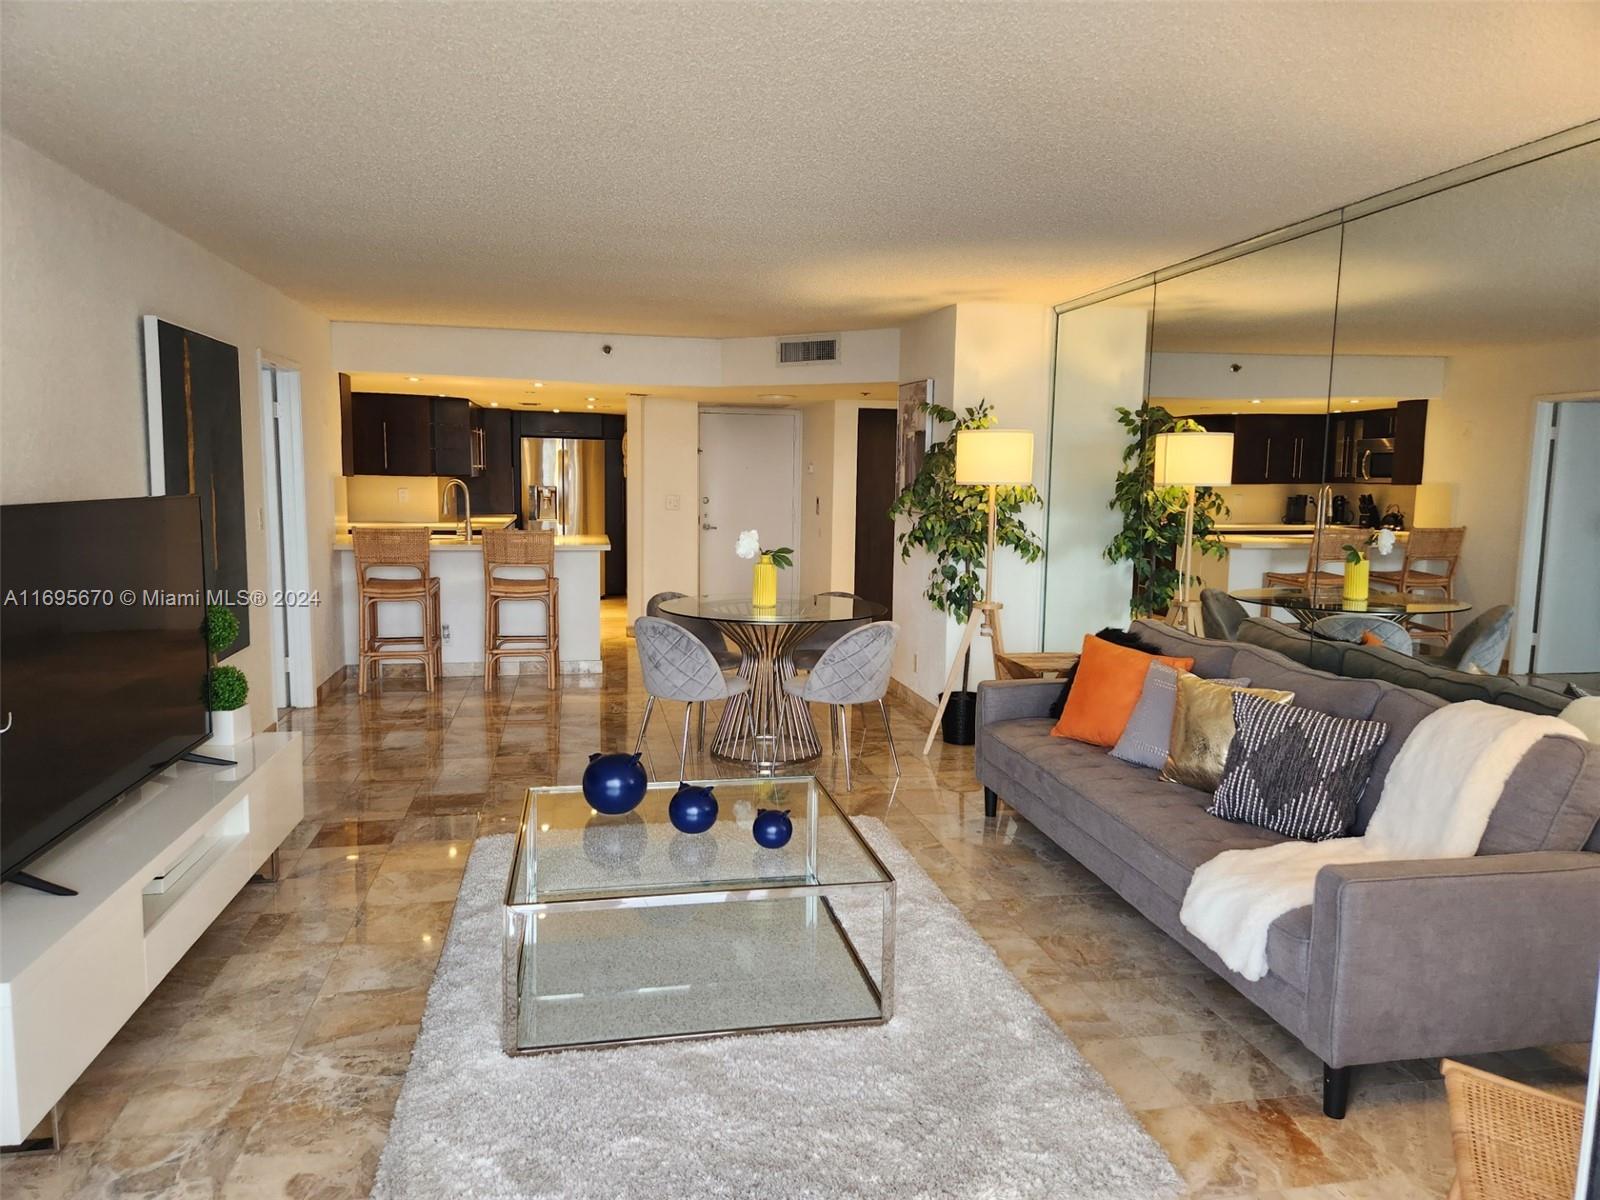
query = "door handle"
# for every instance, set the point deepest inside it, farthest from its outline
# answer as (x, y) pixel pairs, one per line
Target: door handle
(704, 526)
(386, 445)
(1266, 462)
(6, 728)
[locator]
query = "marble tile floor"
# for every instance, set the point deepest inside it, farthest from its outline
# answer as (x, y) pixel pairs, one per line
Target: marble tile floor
(267, 1064)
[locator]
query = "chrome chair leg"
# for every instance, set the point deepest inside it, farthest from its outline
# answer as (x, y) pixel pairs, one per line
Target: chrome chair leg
(889, 735)
(649, 705)
(700, 742)
(844, 730)
(683, 747)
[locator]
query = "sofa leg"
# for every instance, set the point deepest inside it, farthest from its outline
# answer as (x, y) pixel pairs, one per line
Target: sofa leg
(1335, 1091)
(991, 802)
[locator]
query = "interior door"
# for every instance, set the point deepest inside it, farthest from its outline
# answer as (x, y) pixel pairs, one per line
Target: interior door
(1567, 616)
(749, 479)
(875, 442)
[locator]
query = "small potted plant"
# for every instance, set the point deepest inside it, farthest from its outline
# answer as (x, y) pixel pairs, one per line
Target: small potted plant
(764, 586)
(227, 689)
(1358, 567)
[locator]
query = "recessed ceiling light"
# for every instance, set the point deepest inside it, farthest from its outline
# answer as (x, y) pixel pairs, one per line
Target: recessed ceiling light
(555, 410)
(494, 404)
(1355, 402)
(414, 378)
(590, 399)
(1255, 402)
(775, 396)
(536, 383)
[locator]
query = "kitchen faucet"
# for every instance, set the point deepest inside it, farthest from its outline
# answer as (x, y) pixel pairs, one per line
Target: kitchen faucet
(466, 499)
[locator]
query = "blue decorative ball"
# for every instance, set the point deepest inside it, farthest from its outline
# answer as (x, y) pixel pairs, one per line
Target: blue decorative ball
(692, 809)
(772, 828)
(614, 783)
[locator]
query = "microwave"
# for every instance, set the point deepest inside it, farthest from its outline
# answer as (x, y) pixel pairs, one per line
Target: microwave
(1374, 460)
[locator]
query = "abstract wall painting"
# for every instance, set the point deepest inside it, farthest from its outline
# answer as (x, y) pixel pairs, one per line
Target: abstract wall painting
(197, 447)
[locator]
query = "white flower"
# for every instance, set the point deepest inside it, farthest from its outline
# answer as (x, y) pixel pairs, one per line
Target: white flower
(748, 545)
(1385, 540)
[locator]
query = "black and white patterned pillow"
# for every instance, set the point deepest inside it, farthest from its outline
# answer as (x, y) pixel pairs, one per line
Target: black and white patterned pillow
(1295, 770)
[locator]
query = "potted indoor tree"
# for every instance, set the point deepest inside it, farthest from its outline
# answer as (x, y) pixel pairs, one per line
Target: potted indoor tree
(950, 521)
(227, 689)
(1151, 537)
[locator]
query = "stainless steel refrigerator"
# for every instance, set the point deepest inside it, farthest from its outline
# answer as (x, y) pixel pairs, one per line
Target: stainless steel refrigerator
(564, 486)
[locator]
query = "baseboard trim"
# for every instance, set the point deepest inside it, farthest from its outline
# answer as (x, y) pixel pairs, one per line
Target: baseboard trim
(904, 696)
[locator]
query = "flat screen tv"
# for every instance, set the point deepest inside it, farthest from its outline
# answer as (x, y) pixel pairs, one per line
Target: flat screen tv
(102, 658)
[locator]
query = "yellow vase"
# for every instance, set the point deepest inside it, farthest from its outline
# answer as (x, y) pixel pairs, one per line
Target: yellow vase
(764, 586)
(1357, 579)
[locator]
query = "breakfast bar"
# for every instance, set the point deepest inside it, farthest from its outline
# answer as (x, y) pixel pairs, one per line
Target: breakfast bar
(458, 565)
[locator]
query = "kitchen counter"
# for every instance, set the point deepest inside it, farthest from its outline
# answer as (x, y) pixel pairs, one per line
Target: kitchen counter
(1300, 541)
(458, 565)
(486, 521)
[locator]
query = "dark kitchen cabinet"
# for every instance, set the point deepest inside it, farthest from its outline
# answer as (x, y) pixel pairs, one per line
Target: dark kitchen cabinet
(1410, 434)
(393, 434)
(1279, 448)
(452, 437)
(493, 487)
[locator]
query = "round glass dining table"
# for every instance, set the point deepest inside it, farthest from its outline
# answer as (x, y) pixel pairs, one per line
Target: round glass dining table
(1308, 607)
(764, 724)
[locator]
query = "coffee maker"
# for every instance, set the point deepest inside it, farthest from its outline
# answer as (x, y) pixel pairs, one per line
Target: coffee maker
(1341, 512)
(1300, 509)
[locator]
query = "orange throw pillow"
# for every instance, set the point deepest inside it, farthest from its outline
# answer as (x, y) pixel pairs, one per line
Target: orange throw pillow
(1105, 691)
(1368, 638)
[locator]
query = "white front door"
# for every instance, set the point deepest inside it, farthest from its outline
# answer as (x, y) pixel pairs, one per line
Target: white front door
(1567, 619)
(749, 479)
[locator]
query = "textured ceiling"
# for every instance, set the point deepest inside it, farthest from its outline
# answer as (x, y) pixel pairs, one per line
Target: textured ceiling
(725, 169)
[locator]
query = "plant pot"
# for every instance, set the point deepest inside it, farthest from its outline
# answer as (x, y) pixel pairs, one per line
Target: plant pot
(231, 727)
(1357, 579)
(960, 724)
(764, 584)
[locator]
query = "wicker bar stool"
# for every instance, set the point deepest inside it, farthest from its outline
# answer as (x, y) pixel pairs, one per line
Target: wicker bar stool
(520, 548)
(396, 548)
(1327, 545)
(1440, 549)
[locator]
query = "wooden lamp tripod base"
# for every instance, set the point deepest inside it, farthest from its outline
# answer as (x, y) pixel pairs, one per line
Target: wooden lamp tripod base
(985, 619)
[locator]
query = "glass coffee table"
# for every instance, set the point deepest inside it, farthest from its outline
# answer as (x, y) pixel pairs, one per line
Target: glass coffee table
(621, 929)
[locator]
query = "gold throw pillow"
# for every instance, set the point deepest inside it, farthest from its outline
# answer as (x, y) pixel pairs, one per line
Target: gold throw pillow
(1202, 728)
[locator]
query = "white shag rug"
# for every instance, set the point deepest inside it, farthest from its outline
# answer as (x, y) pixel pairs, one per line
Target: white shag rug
(970, 1091)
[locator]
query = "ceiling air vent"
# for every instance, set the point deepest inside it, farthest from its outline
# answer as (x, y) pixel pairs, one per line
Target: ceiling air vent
(812, 349)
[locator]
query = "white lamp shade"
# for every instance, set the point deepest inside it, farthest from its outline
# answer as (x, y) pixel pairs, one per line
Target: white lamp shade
(998, 456)
(1193, 459)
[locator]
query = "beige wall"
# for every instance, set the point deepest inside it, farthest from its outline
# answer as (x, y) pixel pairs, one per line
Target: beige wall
(663, 463)
(1479, 443)
(81, 269)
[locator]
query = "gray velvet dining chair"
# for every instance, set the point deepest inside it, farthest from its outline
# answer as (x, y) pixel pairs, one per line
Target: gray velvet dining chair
(1349, 627)
(854, 670)
(1480, 645)
(703, 629)
(1220, 614)
(677, 665)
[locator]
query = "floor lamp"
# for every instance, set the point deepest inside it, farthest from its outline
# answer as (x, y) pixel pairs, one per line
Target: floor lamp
(991, 458)
(1190, 461)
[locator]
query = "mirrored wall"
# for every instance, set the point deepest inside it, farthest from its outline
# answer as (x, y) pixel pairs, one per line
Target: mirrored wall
(1421, 356)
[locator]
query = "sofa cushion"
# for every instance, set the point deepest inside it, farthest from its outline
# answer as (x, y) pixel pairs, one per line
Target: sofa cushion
(1160, 829)
(1294, 644)
(1105, 689)
(1212, 659)
(1296, 770)
(1331, 694)
(1551, 801)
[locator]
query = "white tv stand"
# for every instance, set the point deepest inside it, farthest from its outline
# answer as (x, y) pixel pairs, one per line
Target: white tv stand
(73, 969)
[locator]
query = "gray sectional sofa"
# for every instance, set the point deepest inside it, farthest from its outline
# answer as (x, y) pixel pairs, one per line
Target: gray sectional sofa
(1379, 662)
(1392, 960)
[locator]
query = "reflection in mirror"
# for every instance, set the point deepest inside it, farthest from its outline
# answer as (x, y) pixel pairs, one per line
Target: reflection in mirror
(1466, 376)
(1102, 354)
(1243, 346)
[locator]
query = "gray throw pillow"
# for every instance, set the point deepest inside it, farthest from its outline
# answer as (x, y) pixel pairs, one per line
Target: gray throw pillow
(1295, 770)
(1147, 738)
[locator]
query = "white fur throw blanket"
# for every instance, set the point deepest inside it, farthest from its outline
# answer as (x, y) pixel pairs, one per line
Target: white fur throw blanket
(1436, 802)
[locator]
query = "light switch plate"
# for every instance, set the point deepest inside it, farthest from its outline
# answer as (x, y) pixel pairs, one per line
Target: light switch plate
(402, 494)
(672, 503)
